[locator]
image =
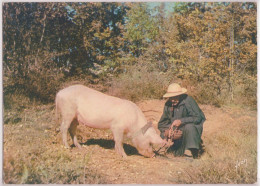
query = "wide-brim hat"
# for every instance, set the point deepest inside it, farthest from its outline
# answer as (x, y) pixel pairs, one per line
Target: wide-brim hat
(174, 89)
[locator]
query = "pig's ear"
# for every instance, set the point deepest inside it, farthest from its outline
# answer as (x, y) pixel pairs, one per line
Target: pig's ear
(146, 127)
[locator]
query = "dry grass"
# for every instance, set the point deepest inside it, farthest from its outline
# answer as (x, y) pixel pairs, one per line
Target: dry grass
(231, 151)
(33, 154)
(33, 151)
(140, 83)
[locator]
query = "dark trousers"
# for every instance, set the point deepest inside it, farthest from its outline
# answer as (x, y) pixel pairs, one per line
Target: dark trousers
(191, 138)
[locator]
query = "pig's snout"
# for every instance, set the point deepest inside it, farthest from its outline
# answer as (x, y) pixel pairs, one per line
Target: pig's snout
(147, 153)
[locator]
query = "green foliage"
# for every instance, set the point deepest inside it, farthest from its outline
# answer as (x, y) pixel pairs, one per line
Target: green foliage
(207, 45)
(141, 29)
(209, 48)
(47, 42)
(99, 29)
(41, 83)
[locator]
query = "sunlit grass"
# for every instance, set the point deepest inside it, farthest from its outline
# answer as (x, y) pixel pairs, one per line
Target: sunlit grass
(33, 152)
(230, 157)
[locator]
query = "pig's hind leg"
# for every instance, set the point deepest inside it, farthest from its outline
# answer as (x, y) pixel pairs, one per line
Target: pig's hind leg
(65, 125)
(118, 138)
(72, 131)
(64, 131)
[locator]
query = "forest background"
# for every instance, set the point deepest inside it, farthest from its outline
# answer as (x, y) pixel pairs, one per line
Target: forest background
(134, 50)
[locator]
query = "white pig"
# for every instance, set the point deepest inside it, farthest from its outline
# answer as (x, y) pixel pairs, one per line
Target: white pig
(80, 104)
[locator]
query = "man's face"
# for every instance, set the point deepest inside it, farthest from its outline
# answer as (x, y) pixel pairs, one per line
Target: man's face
(175, 100)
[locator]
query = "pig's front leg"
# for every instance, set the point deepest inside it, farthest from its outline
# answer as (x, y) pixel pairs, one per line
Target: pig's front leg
(118, 138)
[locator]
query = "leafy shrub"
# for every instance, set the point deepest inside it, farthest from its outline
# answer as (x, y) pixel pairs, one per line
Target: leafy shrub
(204, 94)
(37, 80)
(249, 92)
(140, 82)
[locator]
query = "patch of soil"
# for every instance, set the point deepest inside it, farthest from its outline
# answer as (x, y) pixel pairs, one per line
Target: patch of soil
(99, 145)
(136, 169)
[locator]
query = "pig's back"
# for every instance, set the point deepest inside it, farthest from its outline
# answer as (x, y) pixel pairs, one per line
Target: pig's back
(93, 104)
(96, 109)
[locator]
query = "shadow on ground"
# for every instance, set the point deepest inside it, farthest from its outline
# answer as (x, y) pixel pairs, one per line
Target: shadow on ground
(110, 144)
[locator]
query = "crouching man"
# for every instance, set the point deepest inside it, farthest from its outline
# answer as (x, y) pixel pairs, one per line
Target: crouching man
(182, 121)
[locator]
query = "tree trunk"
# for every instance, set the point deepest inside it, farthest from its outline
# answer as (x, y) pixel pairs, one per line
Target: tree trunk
(231, 60)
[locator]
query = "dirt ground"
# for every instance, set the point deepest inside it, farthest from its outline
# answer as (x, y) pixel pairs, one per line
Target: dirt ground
(98, 147)
(136, 168)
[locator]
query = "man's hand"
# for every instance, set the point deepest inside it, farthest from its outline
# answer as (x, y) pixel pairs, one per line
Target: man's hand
(176, 123)
(166, 133)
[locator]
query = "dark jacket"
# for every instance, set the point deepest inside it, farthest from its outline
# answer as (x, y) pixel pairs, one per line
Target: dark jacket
(187, 111)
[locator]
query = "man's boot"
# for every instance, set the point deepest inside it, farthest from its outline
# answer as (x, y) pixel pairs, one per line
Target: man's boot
(195, 153)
